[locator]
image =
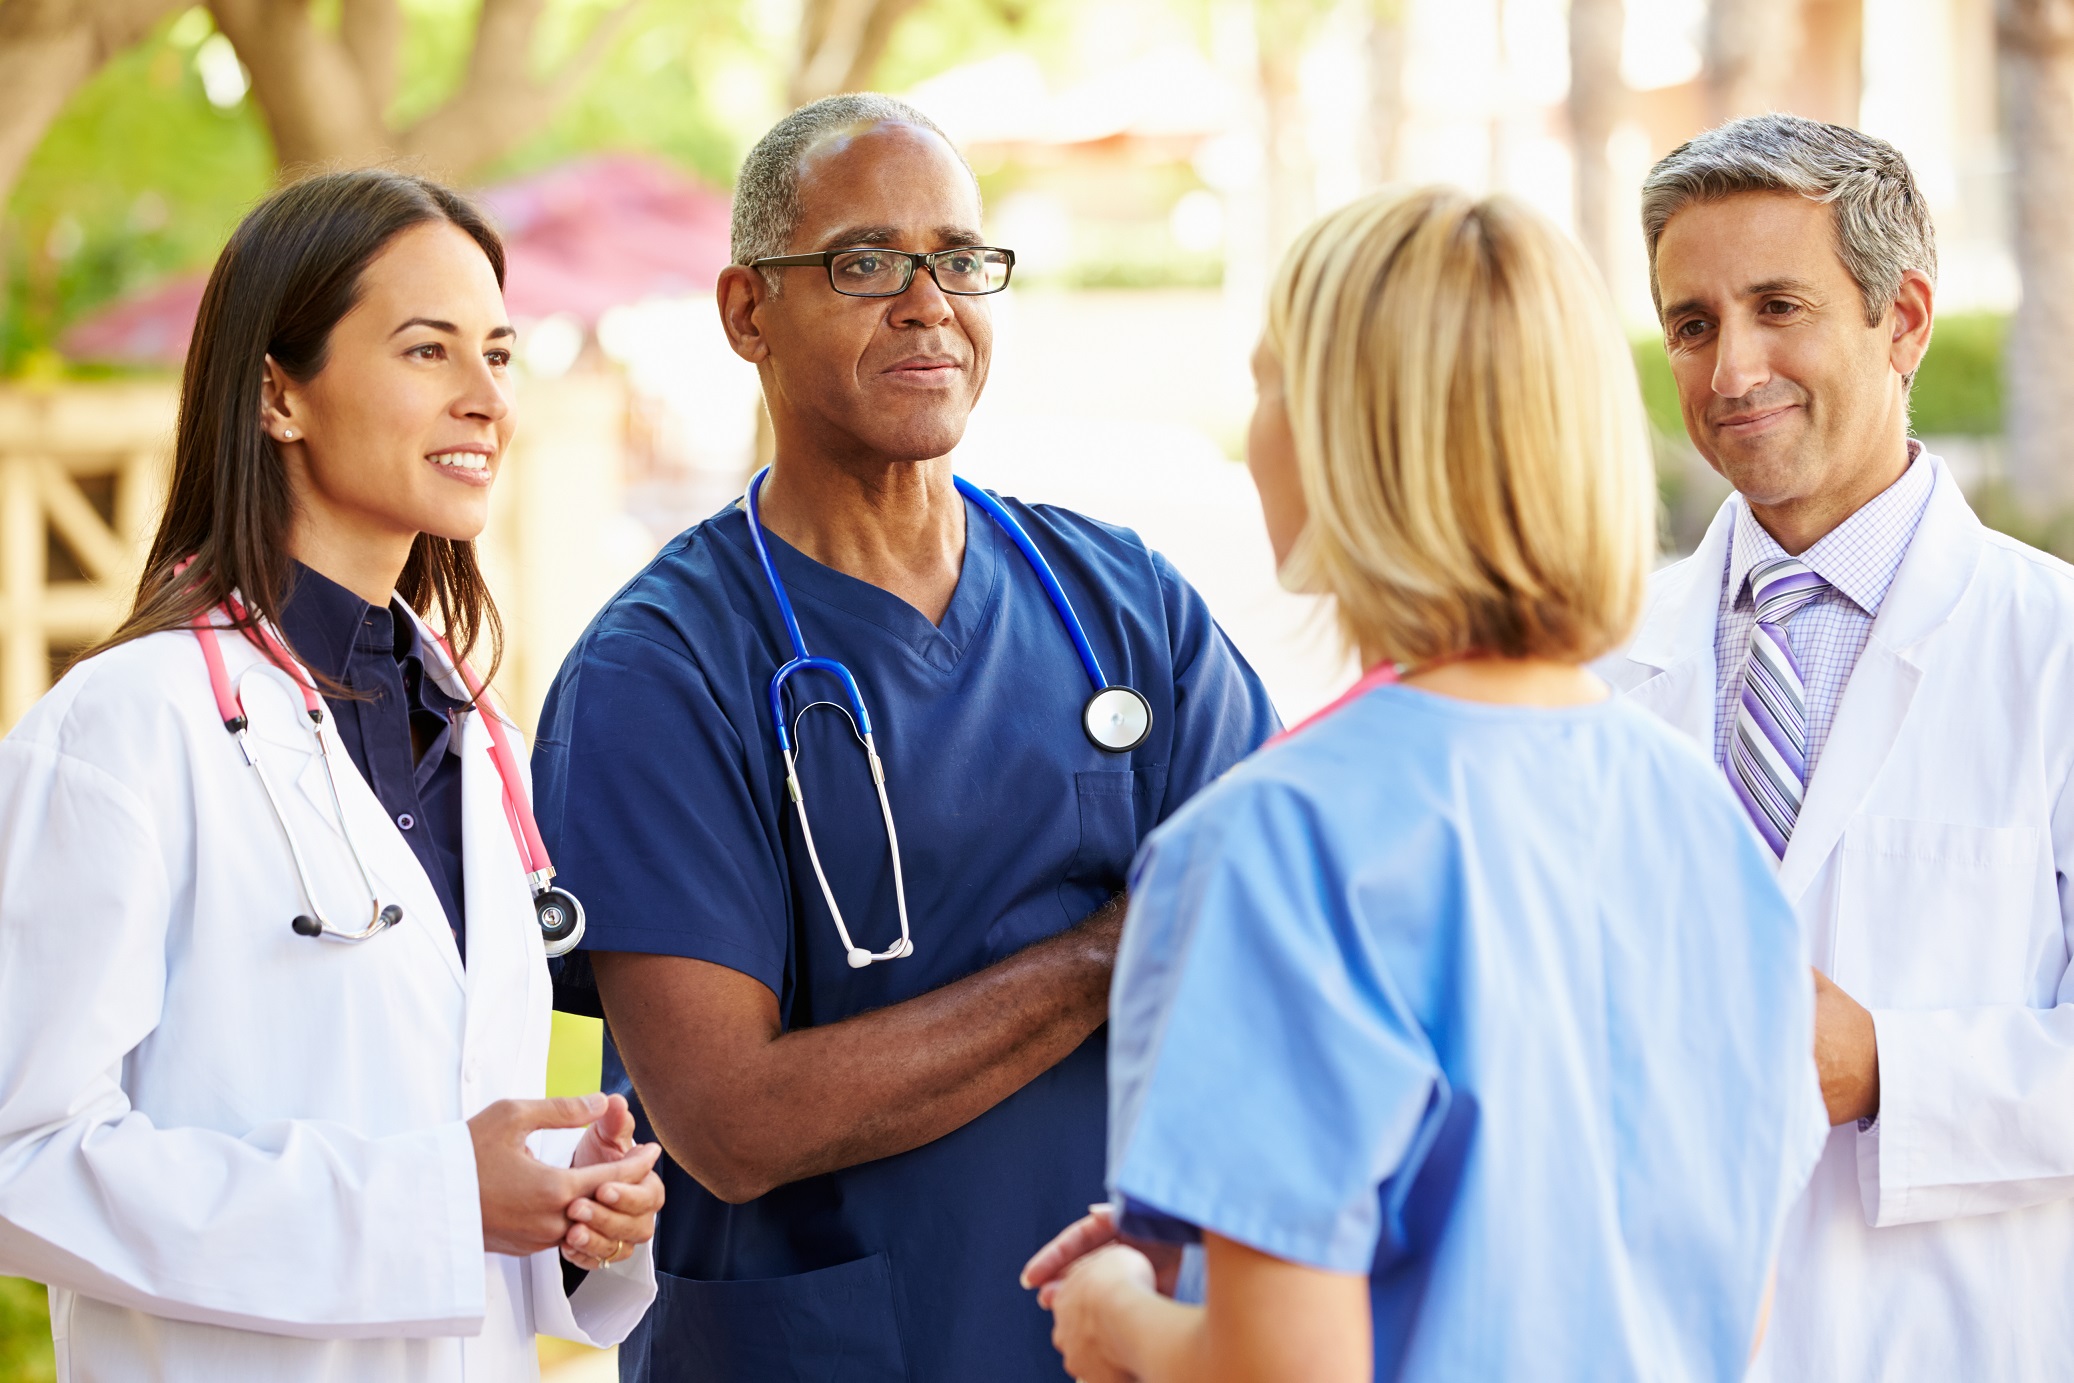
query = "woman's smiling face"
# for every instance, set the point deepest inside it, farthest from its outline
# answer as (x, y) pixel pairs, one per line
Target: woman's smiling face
(403, 428)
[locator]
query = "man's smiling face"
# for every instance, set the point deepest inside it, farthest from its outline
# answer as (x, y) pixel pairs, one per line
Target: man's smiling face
(893, 378)
(1784, 387)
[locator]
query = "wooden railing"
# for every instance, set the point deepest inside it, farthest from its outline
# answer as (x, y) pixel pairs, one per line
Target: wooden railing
(82, 480)
(82, 476)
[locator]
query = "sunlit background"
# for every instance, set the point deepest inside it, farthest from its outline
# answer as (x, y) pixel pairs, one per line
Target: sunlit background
(1146, 159)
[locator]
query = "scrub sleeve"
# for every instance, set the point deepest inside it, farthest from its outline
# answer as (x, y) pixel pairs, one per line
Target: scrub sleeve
(1269, 986)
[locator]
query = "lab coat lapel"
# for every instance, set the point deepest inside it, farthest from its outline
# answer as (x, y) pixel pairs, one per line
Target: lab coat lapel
(503, 942)
(1933, 577)
(398, 875)
(1677, 635)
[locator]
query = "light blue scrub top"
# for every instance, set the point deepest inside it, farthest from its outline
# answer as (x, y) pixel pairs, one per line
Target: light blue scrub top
(1500, 1006)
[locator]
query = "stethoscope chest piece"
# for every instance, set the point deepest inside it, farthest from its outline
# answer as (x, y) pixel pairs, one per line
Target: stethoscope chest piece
(561, 920)
(1116, 719)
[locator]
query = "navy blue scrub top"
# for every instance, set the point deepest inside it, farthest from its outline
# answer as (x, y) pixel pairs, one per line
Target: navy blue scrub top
(377, 651)
(662, 796)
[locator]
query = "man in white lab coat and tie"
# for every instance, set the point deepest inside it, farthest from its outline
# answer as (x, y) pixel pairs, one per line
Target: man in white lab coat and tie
(1889, 688)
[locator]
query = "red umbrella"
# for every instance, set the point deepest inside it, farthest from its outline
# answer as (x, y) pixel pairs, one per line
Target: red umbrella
(580, 238)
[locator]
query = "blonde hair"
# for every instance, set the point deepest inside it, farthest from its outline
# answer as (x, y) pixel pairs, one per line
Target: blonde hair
(1468, 431)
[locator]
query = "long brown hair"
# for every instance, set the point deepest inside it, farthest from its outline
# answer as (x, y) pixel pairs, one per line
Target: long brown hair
(292, 269)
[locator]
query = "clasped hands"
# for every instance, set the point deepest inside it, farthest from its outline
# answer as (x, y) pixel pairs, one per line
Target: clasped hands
(598, 1209)
(1086, 1266)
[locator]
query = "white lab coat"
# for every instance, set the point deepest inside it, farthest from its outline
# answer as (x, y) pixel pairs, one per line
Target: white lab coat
(1930, 867)
(235, 1152)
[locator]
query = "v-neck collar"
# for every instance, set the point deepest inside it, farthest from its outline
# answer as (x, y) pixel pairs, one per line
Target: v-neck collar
(809, 583)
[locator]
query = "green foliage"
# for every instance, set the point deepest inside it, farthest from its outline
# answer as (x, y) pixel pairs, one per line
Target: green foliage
(1659, 390)
(941, 34)
(25, 1353)
(139, 176)
(1959, 387)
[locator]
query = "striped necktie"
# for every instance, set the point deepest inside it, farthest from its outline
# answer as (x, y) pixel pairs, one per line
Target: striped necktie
(1768, 753)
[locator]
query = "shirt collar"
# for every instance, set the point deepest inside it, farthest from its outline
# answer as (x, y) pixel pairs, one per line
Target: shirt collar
(327, 624)
(1858, 557)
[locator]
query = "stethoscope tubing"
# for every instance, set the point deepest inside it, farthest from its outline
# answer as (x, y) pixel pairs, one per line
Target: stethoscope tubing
(1132, 702)
(559, 912)
(998, 512)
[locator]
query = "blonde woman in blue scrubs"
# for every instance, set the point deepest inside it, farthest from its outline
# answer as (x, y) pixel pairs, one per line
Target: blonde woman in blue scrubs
(1464, 1026)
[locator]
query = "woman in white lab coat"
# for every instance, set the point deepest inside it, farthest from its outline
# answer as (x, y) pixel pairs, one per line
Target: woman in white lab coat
(235, 1141)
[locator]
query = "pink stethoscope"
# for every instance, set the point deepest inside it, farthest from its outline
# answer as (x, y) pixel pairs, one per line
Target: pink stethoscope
(559, 914)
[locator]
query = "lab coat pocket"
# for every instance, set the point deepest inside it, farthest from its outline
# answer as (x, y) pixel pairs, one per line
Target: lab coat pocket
(1935, 915)
(834, 1325)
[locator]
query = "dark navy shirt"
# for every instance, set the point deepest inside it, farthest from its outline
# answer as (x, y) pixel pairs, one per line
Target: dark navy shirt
(378, 652)
(662, 796)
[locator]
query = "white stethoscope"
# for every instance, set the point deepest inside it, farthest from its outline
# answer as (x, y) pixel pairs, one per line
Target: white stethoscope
(1116, 718)
(559, 914)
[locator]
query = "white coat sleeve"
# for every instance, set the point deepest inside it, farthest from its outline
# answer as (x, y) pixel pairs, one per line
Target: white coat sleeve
(611, 1301)
(1977, 1104)
(299, 1227)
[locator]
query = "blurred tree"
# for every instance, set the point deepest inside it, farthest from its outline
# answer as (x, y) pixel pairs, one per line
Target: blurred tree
(48, 50)
(1283, 32)
(1597, 95)
(142, 175)
(328, 92)
(1385, 64)
(840, 45)
(1751, 49)
(2036, 38)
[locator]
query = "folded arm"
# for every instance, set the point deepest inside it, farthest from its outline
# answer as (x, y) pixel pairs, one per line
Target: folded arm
(745, 1106)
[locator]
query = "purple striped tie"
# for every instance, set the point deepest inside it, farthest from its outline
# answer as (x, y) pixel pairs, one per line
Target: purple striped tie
(1768, 753)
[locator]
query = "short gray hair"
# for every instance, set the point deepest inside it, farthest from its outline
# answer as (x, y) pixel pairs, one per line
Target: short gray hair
(767, 208)
(1882, 224)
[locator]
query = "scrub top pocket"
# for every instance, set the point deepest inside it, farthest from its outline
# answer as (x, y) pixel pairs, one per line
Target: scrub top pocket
(1110, 803)
(833, 1325)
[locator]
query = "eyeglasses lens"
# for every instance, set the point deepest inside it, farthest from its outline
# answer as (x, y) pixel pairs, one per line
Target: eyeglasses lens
(876, 273)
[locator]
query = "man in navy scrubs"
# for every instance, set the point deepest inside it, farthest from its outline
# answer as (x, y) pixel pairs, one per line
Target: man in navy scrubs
(860, 1159)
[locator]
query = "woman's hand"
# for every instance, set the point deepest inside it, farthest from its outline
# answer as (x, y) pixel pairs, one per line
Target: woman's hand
(1084, 1301)
(610, 1222)
(1086, 1234)
(525, 1202)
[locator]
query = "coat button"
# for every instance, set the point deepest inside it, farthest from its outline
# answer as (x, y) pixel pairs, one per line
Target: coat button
(406, 821)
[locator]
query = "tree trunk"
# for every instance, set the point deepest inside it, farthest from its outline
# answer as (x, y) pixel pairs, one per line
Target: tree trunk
(2036, 38)
(1379, 146)
(1597, 95)
(1752, 49)
(840, 45)
(317, 108)
(48, 49)
(324, 94)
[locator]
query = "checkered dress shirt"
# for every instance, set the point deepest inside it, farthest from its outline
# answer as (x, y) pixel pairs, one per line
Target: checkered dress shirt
(1858, 558)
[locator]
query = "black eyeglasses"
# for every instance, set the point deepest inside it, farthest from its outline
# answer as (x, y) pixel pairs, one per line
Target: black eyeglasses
(969, 271)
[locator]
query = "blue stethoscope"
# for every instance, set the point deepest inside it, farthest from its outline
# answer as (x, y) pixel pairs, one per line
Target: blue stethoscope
(1115, 719)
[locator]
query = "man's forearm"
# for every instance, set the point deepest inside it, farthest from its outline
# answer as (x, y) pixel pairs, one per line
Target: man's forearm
(745, 1107)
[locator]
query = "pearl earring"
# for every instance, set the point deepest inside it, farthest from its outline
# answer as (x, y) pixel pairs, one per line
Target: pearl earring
(288, 433)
